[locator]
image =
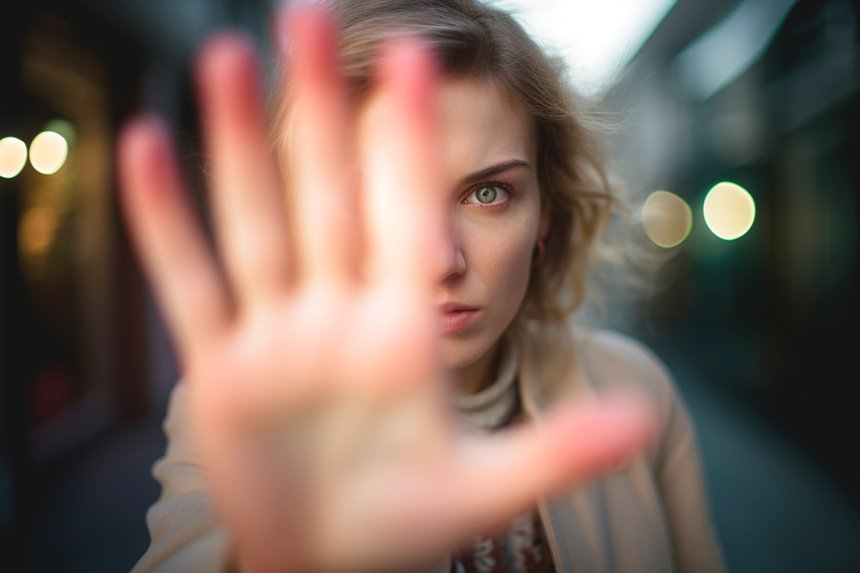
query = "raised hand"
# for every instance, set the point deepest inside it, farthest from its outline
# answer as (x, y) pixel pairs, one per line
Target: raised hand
(321, 410)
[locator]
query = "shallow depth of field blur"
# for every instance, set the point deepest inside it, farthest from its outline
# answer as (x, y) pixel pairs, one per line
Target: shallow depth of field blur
(735, 131)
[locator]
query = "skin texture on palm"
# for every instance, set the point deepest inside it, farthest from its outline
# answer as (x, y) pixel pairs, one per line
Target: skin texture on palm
(318, 392)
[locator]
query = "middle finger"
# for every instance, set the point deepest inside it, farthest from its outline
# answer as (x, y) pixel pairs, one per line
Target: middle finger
(320, 151)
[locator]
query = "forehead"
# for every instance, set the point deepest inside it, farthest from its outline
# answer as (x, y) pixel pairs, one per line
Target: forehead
(479, 125)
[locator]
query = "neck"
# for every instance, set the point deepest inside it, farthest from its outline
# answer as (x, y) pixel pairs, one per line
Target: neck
(480, 374)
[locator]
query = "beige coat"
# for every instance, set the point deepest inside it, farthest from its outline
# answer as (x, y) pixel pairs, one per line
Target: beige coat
(649, 516)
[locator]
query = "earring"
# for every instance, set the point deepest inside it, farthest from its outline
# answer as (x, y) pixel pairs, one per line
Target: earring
(538, 253)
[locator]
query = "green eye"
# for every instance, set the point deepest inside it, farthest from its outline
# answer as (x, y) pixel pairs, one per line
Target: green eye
(486, 194)
(489, 194)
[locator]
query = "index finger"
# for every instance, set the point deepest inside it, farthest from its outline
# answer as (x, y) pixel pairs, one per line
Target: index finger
(321, 157)
(404, 194)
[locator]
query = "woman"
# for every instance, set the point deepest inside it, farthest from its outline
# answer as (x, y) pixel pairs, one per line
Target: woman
(379, 372)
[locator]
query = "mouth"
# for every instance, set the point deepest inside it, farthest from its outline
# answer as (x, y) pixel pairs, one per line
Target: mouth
(455, 317)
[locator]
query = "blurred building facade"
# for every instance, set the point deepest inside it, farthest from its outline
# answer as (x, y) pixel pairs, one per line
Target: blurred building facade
(82, 350)
(763, 94)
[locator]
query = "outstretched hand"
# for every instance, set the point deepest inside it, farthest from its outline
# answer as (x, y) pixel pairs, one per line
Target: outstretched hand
(319, 404)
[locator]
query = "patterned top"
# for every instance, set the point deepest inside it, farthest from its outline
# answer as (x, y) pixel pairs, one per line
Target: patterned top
(522, 546)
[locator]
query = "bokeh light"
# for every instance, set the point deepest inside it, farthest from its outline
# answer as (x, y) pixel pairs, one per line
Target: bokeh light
(48, 152)
(37, 229)
(729, 210)
(13, 156)
(666, 218)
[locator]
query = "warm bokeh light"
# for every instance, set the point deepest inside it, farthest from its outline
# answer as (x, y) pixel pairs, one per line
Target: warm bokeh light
(48, 152)
(729, 210)
(13, 156)
(666, 218)
(36, 230)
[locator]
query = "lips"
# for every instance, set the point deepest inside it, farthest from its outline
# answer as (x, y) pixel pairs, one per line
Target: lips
(456, 317)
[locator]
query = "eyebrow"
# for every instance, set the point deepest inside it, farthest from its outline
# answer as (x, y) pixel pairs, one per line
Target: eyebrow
(494, 170)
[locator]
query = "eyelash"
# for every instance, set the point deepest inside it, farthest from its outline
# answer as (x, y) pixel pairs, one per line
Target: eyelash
(470, 199)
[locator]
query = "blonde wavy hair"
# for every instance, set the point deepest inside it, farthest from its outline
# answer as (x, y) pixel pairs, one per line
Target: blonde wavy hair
(474, 40)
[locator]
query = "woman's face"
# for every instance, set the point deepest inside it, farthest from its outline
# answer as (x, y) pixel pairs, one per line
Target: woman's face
(494, 219)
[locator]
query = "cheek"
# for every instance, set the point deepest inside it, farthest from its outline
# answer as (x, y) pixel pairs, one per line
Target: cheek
(500, 253)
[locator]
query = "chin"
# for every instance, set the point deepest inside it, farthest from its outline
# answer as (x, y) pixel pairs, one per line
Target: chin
(460, 353)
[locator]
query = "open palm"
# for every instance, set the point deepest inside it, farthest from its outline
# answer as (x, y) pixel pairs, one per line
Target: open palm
(319, 404)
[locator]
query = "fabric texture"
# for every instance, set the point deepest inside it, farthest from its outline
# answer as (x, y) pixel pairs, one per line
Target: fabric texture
(650, 515)
(521, 547)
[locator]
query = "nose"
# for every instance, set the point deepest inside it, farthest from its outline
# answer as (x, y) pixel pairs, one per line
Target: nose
(452, 259)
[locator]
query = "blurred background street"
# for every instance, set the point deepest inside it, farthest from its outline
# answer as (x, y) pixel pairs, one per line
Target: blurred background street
(736, 133)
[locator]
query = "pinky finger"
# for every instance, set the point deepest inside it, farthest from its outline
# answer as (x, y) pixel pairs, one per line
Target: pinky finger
(169, 241)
